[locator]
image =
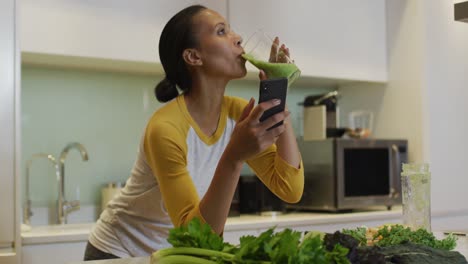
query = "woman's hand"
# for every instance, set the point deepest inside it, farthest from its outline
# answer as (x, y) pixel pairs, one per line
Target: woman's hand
(250, 136)
(279, 53)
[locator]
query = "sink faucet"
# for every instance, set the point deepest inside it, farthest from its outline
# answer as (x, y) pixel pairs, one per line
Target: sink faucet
(63, 206)
(27, 213)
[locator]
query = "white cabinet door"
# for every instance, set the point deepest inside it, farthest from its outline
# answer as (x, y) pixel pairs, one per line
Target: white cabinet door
(110, 29)
(8, 80)
(327, 38)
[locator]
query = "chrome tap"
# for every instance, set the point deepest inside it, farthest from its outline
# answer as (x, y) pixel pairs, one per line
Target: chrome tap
(63, 206)
(27, 213)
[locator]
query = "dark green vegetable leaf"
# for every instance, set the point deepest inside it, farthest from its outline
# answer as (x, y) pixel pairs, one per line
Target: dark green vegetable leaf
(407, 253)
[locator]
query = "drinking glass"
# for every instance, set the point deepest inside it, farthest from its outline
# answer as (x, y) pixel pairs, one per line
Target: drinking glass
(416, 189)
(258, 51)
(361, 122)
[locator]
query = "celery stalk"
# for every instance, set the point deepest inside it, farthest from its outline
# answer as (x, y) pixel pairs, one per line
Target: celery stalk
(163, 253)
(182, 259)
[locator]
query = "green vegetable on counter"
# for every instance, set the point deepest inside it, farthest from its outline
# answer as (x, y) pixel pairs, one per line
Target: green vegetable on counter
(196, 243)
(358, 233)
(399, 234)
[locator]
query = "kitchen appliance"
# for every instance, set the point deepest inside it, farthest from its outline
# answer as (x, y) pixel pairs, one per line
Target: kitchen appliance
(320, 116)
(256, 198)
(343, 174)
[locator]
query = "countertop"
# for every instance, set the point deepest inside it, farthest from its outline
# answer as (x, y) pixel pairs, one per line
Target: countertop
(80, 232)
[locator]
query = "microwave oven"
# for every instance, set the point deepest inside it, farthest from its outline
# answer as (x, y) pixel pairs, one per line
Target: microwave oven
(345, 174)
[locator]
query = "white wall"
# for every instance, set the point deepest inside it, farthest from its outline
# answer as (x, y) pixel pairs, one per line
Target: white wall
(426, 97)
(398, 105)
(446, 86)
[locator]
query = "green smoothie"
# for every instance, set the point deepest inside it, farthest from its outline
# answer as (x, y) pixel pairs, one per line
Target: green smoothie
(275, 70)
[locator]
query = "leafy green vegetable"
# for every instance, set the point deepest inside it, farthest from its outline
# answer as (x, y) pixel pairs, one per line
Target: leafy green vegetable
(408, 253)
(398, 234)
(282, 245)
(341, 248)
(253, 248)
(338, 255)
(310, 234)
(197, 243)
(358, 233)
(311, 250)
(197, 235)
(199, 253)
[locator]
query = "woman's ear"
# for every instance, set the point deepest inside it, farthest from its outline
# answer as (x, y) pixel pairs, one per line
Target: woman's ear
(192, 57)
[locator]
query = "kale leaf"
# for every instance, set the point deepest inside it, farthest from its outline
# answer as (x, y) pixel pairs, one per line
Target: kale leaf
(398, 234)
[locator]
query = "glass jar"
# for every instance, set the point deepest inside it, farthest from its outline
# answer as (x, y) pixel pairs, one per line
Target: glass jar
(416, 189)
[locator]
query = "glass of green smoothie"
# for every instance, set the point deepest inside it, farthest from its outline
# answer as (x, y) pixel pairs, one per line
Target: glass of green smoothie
(266, 54)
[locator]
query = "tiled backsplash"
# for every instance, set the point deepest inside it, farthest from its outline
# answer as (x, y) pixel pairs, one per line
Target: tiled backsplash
(107, 113)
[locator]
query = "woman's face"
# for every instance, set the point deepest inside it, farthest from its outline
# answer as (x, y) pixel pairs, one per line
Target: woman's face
(219, 47)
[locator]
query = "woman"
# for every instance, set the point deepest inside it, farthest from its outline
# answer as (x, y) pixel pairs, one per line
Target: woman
(194, 147)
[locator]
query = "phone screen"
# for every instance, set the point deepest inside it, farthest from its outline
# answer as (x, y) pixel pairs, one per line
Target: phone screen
(273, 89)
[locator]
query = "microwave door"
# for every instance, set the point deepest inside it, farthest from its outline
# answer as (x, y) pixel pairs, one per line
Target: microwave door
(366, 173)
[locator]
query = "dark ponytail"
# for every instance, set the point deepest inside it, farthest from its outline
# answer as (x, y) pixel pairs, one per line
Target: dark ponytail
(165, 91)
(176, 36)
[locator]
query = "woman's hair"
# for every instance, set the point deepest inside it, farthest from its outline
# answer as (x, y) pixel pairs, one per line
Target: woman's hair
(177, 35)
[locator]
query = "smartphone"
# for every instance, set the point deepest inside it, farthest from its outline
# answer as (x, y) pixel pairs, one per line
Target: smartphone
(273, 89)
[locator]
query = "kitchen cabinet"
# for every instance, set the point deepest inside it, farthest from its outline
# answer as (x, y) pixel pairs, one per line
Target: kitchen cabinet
(337, 39)
(333, 42)
(53, 253)
(109, 29)
(10, 243)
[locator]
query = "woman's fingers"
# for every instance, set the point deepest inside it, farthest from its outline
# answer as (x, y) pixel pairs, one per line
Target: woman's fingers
(274, 50)
(247, 109)
(284, 55)
(262, 75)
(258, 111)
(273, 120)
(272, 135)
(286, 51)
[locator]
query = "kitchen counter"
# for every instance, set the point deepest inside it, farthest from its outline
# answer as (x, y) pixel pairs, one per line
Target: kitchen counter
(58, 244)
(257, 223)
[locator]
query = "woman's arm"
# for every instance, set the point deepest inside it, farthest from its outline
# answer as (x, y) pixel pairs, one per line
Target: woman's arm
(287, 145)
(214, 206)
(249, 138)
